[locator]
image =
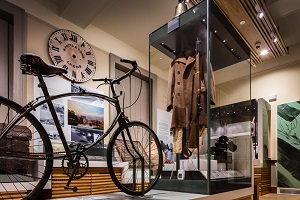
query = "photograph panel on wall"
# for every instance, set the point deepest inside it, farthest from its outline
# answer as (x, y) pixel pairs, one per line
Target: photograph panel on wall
(86, 135)
(288, 144)
(84, 112)
(164, 135)
(46, 117)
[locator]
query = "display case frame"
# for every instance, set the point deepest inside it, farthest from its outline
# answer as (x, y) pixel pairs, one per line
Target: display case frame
(221, 46)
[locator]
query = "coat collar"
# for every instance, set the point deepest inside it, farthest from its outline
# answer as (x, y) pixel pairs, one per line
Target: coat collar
(187, 61)
(190, 60)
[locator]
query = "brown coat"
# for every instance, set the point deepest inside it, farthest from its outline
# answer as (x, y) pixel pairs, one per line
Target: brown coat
(182, 91)
(179, 91)
(200, 91)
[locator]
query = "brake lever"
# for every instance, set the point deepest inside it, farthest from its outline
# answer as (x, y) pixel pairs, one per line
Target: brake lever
(105, 83)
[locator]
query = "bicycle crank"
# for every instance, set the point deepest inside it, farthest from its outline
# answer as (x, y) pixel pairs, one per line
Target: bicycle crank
(76, 165)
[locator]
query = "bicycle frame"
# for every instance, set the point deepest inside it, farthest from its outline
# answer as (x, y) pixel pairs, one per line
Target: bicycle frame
(74, 155)
(120, 118)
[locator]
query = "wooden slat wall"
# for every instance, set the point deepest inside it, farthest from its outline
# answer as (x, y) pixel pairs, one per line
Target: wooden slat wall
(245, 198)
(13, 195)
(96, 181)
(263, 174)
(101, 181)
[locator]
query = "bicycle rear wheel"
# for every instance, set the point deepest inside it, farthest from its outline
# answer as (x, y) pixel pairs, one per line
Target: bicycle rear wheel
(126, 173)
(24, 170)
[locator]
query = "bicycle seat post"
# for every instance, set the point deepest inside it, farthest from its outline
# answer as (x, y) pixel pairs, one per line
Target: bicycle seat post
(43, 86)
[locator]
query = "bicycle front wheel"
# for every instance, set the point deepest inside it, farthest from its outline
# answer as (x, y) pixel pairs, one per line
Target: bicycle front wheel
(24, 170)
(134, 158)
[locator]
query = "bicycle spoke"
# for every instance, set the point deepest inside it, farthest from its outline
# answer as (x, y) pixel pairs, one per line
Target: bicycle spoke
(147, 146)
(24, 164)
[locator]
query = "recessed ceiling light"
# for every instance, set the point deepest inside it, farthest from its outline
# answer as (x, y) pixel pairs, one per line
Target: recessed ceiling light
(260, 15)
(231, 49)
(264, 52)
(224, 40)
(274, 38)
(215, 31)
(242, 22)
(203, 20)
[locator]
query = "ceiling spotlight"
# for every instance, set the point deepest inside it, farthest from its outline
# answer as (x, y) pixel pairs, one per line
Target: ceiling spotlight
(224, 41)
(264, 52)
(259, 14)
(231, 49)
(242, 22)
(274, 38)
(215, 31)
(203, 20)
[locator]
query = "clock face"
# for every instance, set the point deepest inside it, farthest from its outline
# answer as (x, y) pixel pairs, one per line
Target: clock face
(70, 51)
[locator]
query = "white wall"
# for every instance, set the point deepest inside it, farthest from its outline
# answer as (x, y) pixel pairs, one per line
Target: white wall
(284, 82)
(40, 23)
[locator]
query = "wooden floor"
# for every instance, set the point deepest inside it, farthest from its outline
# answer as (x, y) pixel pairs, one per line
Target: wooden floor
(272, 196)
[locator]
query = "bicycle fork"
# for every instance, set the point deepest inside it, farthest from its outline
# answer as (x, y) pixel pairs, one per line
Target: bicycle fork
(135, 158)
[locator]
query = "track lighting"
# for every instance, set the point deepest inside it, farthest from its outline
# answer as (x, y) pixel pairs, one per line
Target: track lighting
(259, 14)
(273, 36)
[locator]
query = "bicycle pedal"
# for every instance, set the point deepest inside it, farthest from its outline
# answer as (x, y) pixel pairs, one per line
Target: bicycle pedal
(71, 188)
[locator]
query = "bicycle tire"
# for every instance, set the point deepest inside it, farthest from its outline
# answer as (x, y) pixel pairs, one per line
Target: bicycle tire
(22, 176)
(147, 144)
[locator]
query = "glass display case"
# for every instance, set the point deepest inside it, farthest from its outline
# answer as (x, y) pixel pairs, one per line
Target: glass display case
(207, 68)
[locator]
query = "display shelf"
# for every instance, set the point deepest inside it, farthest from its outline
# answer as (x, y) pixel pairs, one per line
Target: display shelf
(233, 135)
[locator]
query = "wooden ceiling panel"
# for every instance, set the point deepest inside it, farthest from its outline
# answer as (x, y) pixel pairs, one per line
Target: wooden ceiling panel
(254, 30)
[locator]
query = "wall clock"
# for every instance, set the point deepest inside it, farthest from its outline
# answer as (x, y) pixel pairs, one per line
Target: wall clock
(69, 50)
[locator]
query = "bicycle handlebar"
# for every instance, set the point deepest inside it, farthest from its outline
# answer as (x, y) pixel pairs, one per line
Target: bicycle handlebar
(117, 80)
(102, 79)
(132, 62)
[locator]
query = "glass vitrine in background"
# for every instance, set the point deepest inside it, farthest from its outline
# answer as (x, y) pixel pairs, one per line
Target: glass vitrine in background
(208, 93)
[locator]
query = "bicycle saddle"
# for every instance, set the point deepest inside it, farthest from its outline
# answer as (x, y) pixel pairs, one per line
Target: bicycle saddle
(33, 64)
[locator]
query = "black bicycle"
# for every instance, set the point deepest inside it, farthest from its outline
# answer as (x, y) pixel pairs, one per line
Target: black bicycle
(26, 152)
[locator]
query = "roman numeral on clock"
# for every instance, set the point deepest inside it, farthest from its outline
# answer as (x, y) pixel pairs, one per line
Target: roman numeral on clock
(82, 75)
(57, 40)
(88, 53)
(73, 38)
(65, 36)
(88, 70)
(82, 45)
(54, 48)
(91, 63)
(58, 59)
(74, 74)
(65, 67)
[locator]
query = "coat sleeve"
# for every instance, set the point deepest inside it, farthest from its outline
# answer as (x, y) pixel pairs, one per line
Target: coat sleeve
(170, 89)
